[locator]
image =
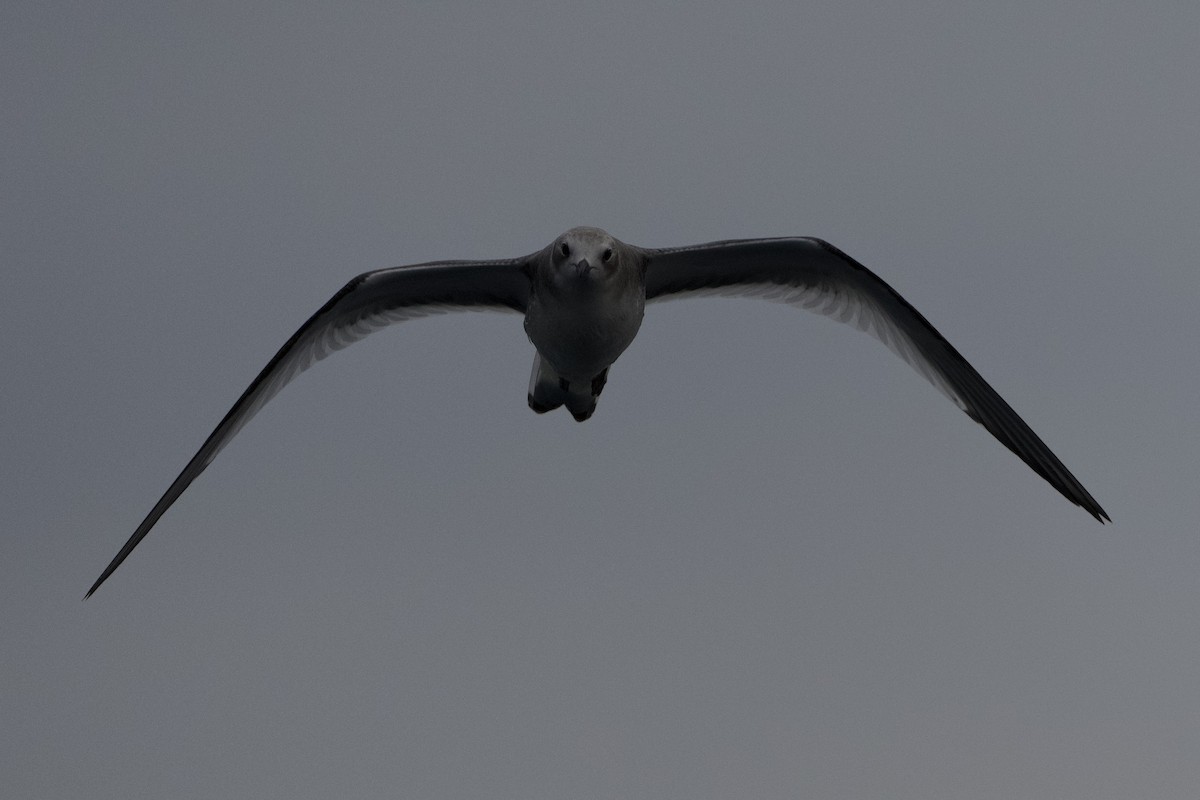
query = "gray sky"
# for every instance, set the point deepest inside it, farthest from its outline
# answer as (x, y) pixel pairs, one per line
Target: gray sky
(775, 564)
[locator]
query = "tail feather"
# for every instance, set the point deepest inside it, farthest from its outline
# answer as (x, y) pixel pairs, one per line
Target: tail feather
(548, 390)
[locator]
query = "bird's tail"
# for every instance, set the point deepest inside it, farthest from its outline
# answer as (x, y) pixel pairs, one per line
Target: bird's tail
(548, 390)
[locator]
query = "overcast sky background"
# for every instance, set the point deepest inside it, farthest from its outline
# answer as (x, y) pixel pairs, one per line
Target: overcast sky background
(775, 564)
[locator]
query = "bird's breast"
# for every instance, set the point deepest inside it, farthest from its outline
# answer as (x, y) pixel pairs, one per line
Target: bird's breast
(581, 339)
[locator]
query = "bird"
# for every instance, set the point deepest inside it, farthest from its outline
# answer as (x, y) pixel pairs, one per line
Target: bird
(584, 296)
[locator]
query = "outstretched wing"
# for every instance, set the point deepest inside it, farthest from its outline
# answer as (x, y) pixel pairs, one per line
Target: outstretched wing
(816, 275)
(371, 301)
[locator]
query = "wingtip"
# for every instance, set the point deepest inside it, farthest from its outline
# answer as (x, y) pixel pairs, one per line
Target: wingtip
(103, 577)
(1097, 512)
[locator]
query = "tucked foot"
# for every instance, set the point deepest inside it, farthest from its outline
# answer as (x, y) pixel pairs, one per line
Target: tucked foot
(540, 408)
(598, 383)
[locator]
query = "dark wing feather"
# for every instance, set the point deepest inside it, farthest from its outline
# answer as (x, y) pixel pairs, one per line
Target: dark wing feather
(369, 302)
(816, 275)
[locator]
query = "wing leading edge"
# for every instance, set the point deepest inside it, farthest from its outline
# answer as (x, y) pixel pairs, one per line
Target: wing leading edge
(815, 275)
(366, 304)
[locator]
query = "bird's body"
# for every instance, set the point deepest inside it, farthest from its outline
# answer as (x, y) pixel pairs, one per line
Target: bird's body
(585, 308)
(579, 338)
(583, 298)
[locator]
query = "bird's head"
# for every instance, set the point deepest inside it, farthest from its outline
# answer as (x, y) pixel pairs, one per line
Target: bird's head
(587, 260)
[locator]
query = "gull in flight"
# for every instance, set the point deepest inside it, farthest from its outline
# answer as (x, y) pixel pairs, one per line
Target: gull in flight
(583, 297)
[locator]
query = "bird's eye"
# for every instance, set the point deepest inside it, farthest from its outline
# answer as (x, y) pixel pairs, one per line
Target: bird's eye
(607, 254)
(562, 248)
